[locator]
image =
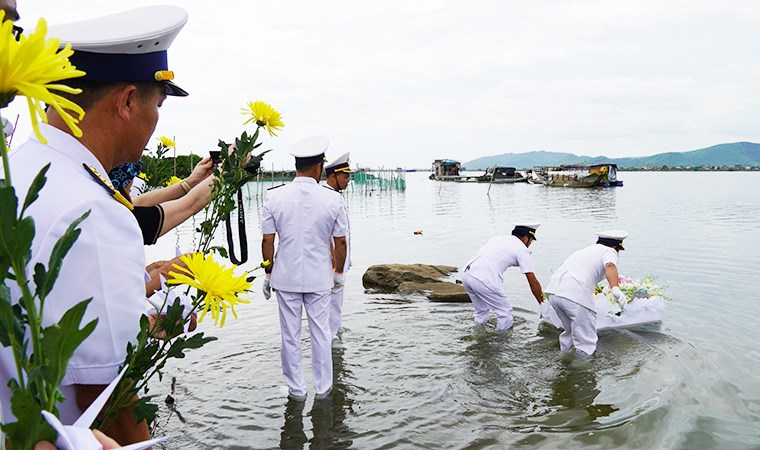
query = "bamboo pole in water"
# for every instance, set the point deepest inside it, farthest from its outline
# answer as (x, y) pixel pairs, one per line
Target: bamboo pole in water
(491, 181)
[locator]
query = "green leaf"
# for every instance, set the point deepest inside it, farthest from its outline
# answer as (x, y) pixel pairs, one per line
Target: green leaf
(221, 250)
(8, 206)
(178, 347)
(23, 235)
(60, 250)
(40, 275)
(143, 409)
(34, 189)
(61, 339)
(30, 427)
(11, 328)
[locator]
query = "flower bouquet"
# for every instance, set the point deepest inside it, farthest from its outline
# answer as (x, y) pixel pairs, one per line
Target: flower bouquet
(646, 301)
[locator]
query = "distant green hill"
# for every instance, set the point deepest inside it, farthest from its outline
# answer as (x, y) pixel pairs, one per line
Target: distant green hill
(741, 153)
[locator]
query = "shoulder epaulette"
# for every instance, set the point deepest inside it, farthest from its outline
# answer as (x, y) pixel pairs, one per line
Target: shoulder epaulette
(275, 187)
(328, 187)
(108, 186)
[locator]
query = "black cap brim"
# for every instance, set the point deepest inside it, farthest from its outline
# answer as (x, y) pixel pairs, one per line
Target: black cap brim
(174, 90)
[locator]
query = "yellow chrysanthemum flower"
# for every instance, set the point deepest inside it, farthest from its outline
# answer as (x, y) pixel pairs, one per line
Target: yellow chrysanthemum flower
(219, 284)
(29, 68)
(173, 180)
(166, 142)
(264, 116)
(143, 176)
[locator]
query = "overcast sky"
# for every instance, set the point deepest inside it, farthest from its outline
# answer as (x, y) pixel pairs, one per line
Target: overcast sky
(399, 84)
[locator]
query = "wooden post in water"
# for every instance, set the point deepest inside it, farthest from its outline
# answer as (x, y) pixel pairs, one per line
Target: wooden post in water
(491, 181)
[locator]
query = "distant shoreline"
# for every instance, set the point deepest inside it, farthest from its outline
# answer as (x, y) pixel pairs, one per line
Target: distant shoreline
(689, 169)
(643, 169)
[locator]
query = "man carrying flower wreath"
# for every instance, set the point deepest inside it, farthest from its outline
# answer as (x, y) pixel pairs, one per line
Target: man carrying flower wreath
(571, 290)
(126, 81)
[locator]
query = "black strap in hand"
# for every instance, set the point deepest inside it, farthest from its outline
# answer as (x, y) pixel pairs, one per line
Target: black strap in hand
(241, 233)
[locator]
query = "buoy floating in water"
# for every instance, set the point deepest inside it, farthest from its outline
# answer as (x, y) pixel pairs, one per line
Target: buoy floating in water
(418, 232)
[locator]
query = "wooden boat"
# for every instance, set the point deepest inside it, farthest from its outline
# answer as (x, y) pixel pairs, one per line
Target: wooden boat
(576, 175)
(450, 170)
(502, 175)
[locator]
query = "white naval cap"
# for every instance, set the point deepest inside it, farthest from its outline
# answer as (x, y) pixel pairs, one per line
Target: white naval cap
(339, 164)
(612, 238)
(129, 46)
(527, 228)
(310, 150)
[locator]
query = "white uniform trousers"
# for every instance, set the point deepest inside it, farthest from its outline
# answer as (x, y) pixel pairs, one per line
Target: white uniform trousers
(336, 311)
(317, 312)
(485, 299)
(579, 323)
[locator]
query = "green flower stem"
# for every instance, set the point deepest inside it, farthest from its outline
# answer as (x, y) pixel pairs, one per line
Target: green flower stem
(35, 319)
(4, 151)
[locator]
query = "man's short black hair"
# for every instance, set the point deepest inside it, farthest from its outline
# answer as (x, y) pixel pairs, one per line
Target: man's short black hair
(94, 91)
(305, 167)
(519, 233)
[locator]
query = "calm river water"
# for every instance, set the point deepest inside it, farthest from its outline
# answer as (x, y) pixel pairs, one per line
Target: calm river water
(415, 374)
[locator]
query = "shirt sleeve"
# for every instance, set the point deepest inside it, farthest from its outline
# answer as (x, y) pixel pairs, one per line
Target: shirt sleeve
(525, 261)
(151, 220)
(340, 228)
(610, 256)
(106, 264)
(267, 220)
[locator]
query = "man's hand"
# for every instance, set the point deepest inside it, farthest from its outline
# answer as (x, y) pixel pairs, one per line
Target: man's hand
(620, 297)
(339, 280)
(106, 442)
(192, 324)
(267, 289)
(202, 170)
(158, 269)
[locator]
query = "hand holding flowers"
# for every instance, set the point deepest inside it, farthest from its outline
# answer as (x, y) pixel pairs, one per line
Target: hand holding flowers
(628, 290)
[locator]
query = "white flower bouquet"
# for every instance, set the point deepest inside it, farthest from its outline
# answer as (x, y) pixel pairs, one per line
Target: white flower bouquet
(646, 302)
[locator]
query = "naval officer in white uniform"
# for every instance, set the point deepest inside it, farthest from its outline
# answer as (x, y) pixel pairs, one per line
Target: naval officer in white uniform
(338, 173)
(123, 56)
(483, 276)
(306, 218)
(571, 290)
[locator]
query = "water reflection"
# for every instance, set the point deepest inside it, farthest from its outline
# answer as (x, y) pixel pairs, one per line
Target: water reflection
(328, 415)
(574, 390)
(293, 437)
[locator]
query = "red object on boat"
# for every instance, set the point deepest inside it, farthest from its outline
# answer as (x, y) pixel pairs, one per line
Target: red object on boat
(418, 232)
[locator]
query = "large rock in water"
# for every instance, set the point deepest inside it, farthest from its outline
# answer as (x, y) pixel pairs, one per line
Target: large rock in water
(412, 278)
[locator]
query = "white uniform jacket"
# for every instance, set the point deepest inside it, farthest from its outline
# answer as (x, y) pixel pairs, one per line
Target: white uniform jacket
(347, 265)
(495, 257)
(106, 263)
(577, 277)
(305, 216)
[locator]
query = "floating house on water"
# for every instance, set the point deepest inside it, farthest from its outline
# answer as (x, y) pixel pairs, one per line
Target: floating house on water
(446, 170)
